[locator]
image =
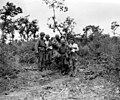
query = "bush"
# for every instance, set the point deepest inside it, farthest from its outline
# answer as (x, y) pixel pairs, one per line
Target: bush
(102, 51)
(26, 53)
(6, 57)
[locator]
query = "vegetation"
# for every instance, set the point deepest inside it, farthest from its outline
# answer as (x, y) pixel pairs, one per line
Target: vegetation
(97, 50)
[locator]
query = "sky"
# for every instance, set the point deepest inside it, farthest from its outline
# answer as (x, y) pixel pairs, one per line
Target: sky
(85, 12)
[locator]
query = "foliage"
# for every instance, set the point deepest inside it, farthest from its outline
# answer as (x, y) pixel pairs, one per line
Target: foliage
(102, 51)
(55, 4)
(114, 26)
(59, 4)
(26, 28)
(26, 52)
(94, 45)
(7, 25)
(7, 57)
(97, 50)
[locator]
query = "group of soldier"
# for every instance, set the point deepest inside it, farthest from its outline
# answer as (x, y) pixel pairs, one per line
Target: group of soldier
(56, 49)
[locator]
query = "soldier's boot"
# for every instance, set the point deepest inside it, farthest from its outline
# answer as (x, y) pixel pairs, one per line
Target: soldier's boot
(71, 73)
(40, 67)
(71, 67)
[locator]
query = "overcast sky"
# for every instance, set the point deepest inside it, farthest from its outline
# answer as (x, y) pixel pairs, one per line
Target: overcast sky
(85, 12)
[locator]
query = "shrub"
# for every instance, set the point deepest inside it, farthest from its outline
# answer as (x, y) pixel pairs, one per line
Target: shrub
(26, 53)
(6, 57)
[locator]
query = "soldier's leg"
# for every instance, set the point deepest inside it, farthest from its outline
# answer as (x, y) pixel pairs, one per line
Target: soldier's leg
(43, 60)
(74, 61)
(71, 64)
(50, 55)
(71, 67)
(38, 64)
(46, 56)
(49, 58)
(64, 65)
(40, 61)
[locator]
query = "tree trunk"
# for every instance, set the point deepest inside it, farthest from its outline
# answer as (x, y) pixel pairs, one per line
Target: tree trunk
(55, 21)
(3, 29)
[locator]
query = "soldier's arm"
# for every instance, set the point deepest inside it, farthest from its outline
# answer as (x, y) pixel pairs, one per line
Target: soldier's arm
(36, 46)
(50, 45)
(77, 48)
(41, 44)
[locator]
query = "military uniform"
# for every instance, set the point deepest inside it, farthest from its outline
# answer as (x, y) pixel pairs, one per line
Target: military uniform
(73, 56)
(63, 50)
(56, 46)
(40, 50)
(48, 52)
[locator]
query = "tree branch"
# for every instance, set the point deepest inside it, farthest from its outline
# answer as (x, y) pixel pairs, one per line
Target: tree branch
(55, 21)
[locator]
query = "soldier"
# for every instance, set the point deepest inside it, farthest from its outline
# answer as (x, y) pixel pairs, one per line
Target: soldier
(73, 55)
(73, 46)
(48, 52)
(47, 40)
(63, 50)
(62, 38)
(40, 50)
(55, 45)
(57, 38)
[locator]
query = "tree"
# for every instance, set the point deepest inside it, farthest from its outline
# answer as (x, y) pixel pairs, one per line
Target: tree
(114, 26)
(67, 28)
(34, 29)
(92, 38)
(55, 4)
(92, 30)
(7, 25)
(26, 28)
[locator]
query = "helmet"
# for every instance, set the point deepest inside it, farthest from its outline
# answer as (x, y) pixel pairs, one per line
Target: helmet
(57, 36)
(71, 41)
(47, 36)
(62, 41)
(42, 34)
(62, 36)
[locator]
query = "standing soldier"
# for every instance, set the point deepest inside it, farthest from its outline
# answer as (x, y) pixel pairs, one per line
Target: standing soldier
(57, 38)
(63, 50)
(40, 50)
(55, 44)
(48, 53)
(73, 56)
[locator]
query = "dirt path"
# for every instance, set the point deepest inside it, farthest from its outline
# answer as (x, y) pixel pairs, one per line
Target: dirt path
(52, 86)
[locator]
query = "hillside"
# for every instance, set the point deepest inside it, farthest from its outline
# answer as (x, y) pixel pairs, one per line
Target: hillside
(48, 85)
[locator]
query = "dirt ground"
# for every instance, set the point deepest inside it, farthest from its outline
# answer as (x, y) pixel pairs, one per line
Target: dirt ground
(48, 85)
